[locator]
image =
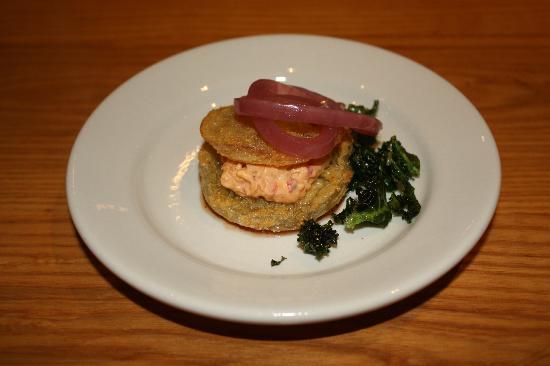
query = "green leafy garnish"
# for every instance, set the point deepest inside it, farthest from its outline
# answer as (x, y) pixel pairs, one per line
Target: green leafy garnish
(276, 263)
(363, 110)
(377, 173)
(317, 239)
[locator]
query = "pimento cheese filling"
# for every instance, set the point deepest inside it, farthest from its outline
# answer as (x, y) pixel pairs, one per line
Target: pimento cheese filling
(273, 184)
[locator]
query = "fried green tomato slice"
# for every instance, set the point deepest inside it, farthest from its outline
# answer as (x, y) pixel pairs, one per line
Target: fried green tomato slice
(256, 213)
(235, 138)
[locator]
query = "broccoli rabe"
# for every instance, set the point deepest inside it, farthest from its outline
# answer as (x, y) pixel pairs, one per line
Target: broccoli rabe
(317, 239)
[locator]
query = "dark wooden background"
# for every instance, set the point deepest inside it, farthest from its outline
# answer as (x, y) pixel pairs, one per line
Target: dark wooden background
(58, 304)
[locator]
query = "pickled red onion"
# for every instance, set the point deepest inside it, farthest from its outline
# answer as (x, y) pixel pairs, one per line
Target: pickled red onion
(309, 148)
(265, 88)
(268, 101)
(274, 108)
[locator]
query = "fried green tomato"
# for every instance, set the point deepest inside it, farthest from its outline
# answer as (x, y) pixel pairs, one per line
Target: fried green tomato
(257, 213)
(236, 138)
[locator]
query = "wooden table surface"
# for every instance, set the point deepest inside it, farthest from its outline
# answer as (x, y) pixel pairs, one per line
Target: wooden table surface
(59, 304)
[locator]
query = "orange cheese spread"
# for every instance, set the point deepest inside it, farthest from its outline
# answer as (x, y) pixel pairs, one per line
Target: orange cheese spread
(284, 185)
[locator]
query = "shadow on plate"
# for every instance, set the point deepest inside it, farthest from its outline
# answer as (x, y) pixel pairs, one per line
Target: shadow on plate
(282, 332)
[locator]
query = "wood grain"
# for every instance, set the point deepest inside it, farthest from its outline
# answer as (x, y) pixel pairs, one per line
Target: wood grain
(59, 305)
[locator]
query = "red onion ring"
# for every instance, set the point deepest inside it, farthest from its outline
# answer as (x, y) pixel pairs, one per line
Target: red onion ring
(269, 100)
(274, 108)
(263, 88)
(309, 148)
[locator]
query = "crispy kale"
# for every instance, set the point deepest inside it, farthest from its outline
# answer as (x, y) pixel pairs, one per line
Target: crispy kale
(317, 239)
(388, 169)
(370, 207)
(377, 173)
(405, 205)
(340, 218)
(364, 140)
(364, 161)
(363, 110)
(398, 165)
(276, 263)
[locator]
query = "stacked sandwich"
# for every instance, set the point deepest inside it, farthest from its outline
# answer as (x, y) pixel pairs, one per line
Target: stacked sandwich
(278, 156)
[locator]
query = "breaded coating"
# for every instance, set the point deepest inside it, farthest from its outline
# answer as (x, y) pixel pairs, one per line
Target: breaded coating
(235, 138)
(256, 213)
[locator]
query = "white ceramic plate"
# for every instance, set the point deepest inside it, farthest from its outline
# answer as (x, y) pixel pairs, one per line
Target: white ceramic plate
(134, 196)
